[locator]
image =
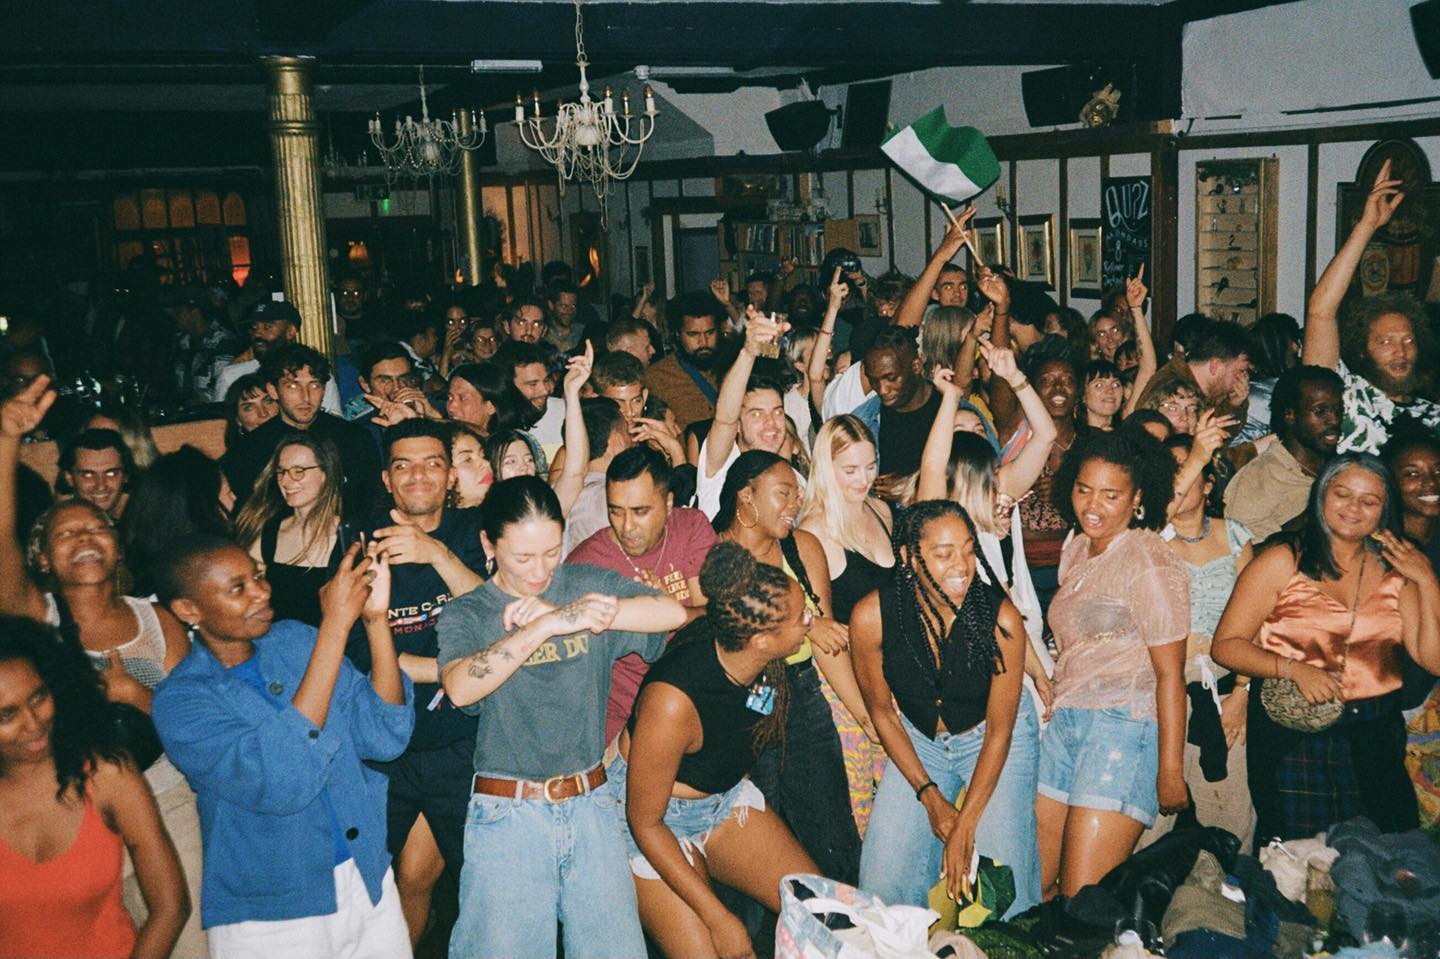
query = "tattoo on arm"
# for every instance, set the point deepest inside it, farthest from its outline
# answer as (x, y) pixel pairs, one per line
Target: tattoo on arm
(571, 611)
(479, 666)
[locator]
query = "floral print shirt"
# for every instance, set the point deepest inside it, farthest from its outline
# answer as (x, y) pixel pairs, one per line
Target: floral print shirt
(1369, 413)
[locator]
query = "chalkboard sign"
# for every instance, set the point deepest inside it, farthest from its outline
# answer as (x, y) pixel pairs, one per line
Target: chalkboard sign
(1126, 208)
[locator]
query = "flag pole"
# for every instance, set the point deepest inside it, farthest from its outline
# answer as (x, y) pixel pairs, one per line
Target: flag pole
(968, 242)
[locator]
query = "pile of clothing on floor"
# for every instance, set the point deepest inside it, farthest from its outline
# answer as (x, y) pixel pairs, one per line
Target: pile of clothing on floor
(1195, 893)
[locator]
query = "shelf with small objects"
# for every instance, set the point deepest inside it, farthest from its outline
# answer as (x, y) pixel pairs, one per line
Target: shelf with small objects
(1235, 230)
(763, 246)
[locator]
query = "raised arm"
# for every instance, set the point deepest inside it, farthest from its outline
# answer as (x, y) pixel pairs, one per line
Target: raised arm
(384, 664)
(1211, 431)
(1017, 476)
(815, 371)
(342, 600)
(1322, 321)
(970, 346)
(1004, 404)
(19, 596)
(577, 443)
(720, 289)
(1135, 294)
(759, 329)
(935, 458)
(912, 309)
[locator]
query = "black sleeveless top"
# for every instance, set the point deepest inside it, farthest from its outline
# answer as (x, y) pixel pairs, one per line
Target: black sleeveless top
(953, 692)
(727, 726)
(859, 579)
(295, 590)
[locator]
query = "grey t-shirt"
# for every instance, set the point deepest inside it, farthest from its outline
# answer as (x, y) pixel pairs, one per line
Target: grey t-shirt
(548, 718)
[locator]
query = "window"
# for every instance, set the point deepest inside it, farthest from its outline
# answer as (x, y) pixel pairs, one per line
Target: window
(194, 236)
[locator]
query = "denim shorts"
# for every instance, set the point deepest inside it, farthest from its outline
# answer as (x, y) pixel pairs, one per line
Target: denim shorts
(1102, 759)
(691, 820)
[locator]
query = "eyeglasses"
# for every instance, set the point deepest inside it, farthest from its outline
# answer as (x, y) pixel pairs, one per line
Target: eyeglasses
(1170, 406)
(294, 473)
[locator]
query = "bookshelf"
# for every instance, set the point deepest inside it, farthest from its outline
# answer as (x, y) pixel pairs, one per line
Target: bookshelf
(747, 246)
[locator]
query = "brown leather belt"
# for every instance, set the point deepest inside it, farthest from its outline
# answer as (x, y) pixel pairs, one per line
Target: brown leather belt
(555, 789)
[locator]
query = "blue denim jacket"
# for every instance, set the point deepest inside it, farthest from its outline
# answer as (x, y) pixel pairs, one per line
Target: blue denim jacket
(258, 773)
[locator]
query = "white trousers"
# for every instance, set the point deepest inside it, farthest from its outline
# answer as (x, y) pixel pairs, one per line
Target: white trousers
(355, 930)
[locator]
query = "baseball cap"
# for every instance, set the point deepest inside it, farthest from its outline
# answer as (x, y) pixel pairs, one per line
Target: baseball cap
(269, 311)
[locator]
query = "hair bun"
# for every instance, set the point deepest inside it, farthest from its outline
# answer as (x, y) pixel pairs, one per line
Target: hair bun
(728, 573)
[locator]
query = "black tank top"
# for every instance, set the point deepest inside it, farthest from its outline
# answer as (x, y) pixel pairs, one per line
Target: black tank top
(294, 590)
(925, 694)
(860, 577)
(727, 725)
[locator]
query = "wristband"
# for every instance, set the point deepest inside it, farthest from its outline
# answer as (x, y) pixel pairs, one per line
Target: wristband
(929, 784)
(1024, 385)
(824, 332)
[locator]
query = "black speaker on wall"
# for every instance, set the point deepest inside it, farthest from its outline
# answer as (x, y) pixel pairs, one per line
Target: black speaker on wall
(1053, 97)
(799, 126)
(1425, 18)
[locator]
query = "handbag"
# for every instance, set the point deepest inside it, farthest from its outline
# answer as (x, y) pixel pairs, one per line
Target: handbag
(1287, 706)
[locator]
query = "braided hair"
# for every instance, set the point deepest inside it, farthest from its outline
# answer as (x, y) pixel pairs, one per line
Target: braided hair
(745, 597)
(977, 616)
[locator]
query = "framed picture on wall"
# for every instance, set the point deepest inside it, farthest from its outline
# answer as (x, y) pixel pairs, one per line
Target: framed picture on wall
(869, 241)
(990, 233)
(1085, 256)
(1036, 263)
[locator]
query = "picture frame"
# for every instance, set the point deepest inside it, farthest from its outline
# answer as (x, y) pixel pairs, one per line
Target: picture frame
(1085, 256)
(869, 240)
(1035, 259)
(990, 233)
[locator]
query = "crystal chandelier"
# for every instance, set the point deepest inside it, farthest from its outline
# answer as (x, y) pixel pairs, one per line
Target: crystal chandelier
(428, 147)
(589, 141)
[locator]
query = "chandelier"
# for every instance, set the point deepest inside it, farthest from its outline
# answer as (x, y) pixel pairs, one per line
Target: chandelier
(589, 141)
(428, 147)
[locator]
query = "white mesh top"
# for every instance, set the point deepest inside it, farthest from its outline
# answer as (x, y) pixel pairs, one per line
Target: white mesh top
(144, 655)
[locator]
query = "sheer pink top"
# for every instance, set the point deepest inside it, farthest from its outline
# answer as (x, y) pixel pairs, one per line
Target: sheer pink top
(1109, 611)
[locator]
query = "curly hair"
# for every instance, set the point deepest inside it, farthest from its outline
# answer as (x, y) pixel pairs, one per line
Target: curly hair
(976, 618)
(1151, 470)
(37, 541)
(745, 470)
(82, 732)
(745, 597)
(1361, 314)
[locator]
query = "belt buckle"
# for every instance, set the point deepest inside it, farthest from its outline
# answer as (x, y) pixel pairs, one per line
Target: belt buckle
(556, 780)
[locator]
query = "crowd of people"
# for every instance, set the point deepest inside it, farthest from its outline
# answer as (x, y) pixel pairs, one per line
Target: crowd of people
(616, 623)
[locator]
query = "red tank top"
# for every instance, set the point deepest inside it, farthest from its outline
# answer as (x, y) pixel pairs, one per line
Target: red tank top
(70, 905)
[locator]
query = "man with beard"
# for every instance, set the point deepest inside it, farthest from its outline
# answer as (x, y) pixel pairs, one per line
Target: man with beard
(530, 375)
(435, 555)
(904, 405)
(97, 466)
(1216, 366)
(272, 323)
(296, 377)
(1273, 488)
(652, 541)
(749, 415)
(1384, 354)
(685, 379)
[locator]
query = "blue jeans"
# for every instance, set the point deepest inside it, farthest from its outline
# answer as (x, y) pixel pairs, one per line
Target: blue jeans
(529, 863)
(901, 857)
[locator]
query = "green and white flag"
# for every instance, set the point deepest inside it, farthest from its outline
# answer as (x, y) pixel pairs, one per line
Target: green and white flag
(953, 163)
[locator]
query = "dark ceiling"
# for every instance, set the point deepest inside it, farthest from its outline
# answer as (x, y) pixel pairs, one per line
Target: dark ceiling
(136, 77)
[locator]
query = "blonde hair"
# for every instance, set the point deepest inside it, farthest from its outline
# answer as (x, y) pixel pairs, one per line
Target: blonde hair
(266, 502)
(942, 334)
(822, 496)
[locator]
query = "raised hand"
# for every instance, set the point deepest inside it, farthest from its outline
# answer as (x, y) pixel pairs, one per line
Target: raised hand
(390, 412)
(1211, 432)
(577, 370)
(345, 596)
(22, 413)
(1002, 363)
(1136, 290)
(720, 289)
(1384, 199)
(995, 289)
(839, 289)
(958, 233)
(377, 605)
(944, 379)
(1404, 558)
(760, 330)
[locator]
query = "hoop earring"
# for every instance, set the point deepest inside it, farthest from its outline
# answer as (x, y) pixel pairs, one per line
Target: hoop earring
(1139, 512)
(742, 522)
(192, 633)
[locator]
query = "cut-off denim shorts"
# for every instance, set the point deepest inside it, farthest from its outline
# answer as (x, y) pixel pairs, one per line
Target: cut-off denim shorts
(691, 820)
(1102, 759)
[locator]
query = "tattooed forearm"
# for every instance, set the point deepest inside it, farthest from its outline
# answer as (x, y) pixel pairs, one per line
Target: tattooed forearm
(571, 611)
(479, 666)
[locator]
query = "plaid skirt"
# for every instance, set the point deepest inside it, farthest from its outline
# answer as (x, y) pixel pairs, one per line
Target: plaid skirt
(1304, 783)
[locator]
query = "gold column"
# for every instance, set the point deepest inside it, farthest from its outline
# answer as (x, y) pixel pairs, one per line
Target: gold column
(299, 203)
(470, 206)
